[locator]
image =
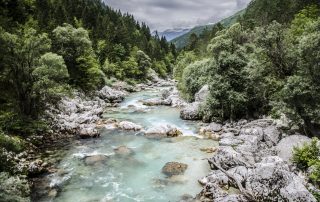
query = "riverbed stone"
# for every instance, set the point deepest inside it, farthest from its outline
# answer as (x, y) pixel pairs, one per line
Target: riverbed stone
(88, 131)
(95, 160)
(163, 131)
(111, 95)
(174, 168)
(123, 151)
(152, 102)
(126, 125)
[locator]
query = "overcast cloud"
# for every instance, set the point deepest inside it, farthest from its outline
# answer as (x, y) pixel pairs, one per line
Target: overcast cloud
(167, 14)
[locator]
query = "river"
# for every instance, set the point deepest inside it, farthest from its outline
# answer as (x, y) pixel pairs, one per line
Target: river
(137, 177)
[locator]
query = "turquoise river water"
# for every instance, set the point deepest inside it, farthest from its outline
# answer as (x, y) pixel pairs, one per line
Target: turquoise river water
(138, 177)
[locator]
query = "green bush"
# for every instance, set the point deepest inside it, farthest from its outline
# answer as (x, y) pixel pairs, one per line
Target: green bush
(10, 143)
(14, 188)
(307, 155)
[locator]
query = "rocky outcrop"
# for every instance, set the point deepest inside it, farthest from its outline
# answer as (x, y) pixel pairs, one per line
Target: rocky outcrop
(174, 168)
(247, 159)
(163, 131)
(78, 114)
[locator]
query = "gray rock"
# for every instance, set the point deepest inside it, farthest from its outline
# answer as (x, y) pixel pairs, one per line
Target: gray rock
(232, 198)
(230, 142)
(215, 176)
(88, 131)
(191, 112)
(126, 125)
(210, 192)
(285, 147)
(271, 180)
(254, 131)
(239, 172)
(162, 131)
(271, 135)
(152, 102)
(111, 95)
(228, 158)
(202, 95)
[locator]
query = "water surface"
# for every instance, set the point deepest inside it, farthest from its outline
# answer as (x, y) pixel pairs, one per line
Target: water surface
(136, 177)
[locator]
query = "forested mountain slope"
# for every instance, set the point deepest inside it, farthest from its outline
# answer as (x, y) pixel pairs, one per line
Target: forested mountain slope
(182, 41)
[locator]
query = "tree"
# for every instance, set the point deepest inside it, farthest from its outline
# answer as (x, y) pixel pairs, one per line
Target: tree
(51, 76)
(144, 64)
(75, 46)
(22, 52)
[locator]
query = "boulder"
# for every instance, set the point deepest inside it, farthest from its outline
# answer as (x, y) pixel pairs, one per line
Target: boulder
(163, 131)
(96, 160)
(111, 95)
(271, 135)
(123, 151)
(215, 176)
(232, 198)
(174, 168)
(152, 102)
(285, 147)
(126, 125)
(253, 131)
(202, 95)
(88, 131)
(210, 192)
(191, 112)
(228, 158)
(271, 180)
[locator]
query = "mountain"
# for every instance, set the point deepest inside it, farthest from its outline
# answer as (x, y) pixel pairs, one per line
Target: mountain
(171, 34)
(181, 41)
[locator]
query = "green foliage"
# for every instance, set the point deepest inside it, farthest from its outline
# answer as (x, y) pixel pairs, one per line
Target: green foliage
(307, 155)
(184, 59)
(51, 76)
(22, 51)
(14, 188)
(194, 77)
(75, 46)
(10, 143)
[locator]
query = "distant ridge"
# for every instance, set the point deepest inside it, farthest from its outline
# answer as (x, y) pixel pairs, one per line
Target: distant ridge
(181, 41)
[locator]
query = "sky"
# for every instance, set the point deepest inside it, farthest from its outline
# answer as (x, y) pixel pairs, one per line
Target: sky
(167, 14)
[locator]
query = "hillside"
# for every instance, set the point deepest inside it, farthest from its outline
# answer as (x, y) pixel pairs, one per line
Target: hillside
(182, 41)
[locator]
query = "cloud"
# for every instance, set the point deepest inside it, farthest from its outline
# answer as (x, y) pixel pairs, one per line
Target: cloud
(167, 14)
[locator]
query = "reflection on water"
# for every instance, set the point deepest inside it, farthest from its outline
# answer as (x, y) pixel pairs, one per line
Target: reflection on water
(134, 172)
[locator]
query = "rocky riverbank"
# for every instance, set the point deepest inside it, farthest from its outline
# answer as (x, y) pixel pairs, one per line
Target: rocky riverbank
(255, 158)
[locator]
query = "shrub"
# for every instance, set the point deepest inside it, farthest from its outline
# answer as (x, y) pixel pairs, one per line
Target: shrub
(307, 155)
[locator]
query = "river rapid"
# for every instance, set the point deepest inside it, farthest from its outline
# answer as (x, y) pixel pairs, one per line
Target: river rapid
(137, 177)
